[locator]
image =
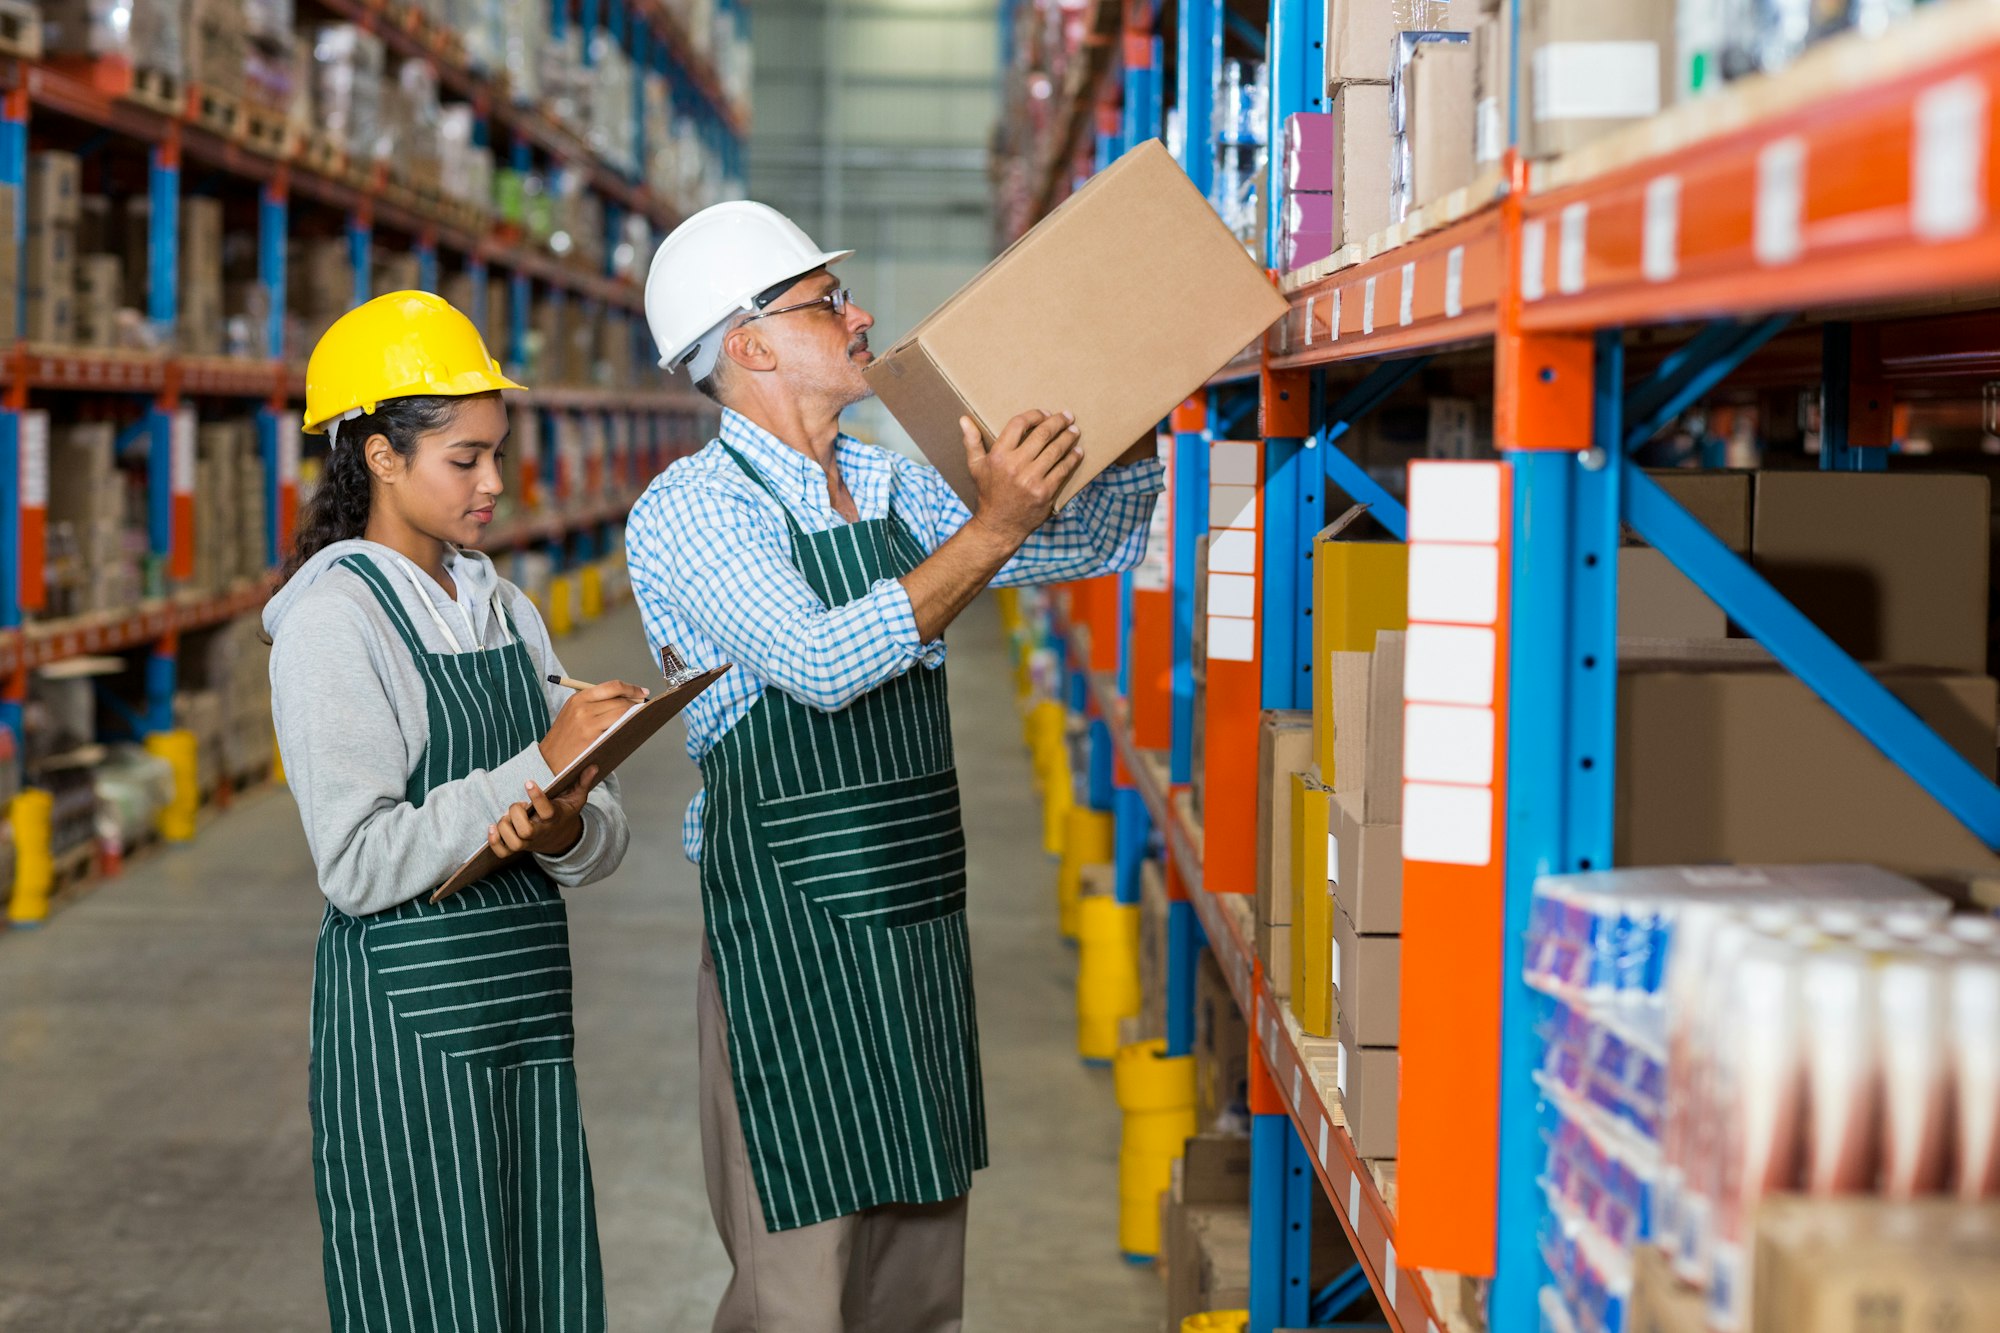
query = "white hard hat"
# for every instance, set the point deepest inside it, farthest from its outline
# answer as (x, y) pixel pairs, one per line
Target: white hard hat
(716, 264)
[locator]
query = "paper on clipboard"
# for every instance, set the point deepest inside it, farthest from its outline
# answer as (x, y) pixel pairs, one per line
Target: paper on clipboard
(617, 744)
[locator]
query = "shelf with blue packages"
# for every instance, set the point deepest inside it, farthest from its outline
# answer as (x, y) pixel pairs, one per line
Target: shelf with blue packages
(309, 230)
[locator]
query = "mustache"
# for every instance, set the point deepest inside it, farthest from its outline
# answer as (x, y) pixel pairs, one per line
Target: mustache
(858, 345)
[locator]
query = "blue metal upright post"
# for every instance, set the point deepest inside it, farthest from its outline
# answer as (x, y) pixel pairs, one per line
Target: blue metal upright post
(1281, 1192)
(1839, 450)
(13, 172)
(163, 301)
(427, 264)
(272, 216)
(361, 254)
(475, 273)
(1190, 523)
(1562, 716)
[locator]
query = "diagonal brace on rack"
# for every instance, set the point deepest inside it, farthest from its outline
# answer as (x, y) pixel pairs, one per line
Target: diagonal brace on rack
(1682, 379)
(1804, 649)
(1374, 389)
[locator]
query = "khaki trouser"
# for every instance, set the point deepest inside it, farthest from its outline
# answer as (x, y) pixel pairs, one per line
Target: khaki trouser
(899, 1268)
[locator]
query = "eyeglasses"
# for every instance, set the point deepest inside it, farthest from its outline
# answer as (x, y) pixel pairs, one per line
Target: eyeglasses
(837, 300)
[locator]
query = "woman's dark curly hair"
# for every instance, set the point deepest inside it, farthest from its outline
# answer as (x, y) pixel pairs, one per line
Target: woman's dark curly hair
(338, 510)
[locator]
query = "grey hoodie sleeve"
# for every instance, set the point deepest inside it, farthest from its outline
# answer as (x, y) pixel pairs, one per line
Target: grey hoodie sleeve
(344, 761)
(601, 848)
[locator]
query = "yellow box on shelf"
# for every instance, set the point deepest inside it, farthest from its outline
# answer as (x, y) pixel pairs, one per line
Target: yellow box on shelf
(1359, 587)
(1312, 916)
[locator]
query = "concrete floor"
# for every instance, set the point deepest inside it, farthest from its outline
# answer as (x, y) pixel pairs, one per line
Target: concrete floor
(154, 1168)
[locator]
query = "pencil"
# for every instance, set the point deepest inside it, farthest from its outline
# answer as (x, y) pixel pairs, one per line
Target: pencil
(570, 684)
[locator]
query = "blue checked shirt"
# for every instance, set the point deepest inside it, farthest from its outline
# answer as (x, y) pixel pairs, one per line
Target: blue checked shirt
(711, 565)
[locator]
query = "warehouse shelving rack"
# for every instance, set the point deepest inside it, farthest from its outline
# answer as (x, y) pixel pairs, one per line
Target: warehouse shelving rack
(1863, 177)
(105, 107)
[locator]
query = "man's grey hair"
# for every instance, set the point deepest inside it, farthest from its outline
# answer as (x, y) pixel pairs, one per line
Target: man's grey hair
(711, 387)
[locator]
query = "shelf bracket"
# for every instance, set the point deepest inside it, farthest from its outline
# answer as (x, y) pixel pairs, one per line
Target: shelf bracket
(1374, 389)
(1806, 651)
(1856, 406)
(1681, 381)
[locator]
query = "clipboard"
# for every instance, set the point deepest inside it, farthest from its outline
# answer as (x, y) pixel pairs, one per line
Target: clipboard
(618, 743)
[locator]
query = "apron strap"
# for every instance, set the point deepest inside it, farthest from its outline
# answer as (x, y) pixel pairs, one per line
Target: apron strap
(392, 604)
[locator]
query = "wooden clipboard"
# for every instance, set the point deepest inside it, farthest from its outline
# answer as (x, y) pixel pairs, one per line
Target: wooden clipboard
(618, 743)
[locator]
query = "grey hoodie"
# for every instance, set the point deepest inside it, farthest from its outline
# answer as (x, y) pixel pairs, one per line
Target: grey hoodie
(352, 726)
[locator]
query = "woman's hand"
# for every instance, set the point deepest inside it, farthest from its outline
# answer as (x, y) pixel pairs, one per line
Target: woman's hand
(584, 717)
(545, 826)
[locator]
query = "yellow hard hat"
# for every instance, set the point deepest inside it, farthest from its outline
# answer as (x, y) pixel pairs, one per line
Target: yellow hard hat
(397, 346)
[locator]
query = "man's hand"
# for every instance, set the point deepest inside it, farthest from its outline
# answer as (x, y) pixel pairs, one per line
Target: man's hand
(1021, 475)
(584, 717)
(539, 824)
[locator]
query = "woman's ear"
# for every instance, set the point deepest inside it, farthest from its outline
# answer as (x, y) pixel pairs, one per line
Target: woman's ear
(383, 460)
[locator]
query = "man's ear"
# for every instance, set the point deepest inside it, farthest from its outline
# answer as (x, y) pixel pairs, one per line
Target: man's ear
(745, 346)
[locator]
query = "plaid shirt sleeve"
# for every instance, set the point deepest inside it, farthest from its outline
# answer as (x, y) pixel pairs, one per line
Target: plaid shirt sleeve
(717, 561)
(1103, 530)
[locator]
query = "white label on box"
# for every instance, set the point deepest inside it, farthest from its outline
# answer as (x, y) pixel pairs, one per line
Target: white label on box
(1660, 248)
(1781, 197)
(1340, 1068)
(1596, 80)
(34, 460)
(1368, 306)
(1333, 859)
(1334, 960)
(1454, 282)
(181, 434)
(1354, 1200)
(1948, 163)
(1232, 551)
(1389, 1272)
(1409, 303)
(1459, 585)
(1298, 1089)
(1569, 258)
(1489, 139)
(288, 455)
(1232, 507)
(1446, 743)
(1309, 319)
(1231, 639)
(1455, 502)
(1232, 595)
(1448, 664)
(1334, 323)
(1232, 463)
(1447, 825)
(1534, 254)
(1322, 1141)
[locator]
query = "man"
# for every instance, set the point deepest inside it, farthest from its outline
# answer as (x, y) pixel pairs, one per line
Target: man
(841, 1103)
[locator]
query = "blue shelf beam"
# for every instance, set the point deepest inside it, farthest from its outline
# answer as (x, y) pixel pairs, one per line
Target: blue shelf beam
(1691, 373)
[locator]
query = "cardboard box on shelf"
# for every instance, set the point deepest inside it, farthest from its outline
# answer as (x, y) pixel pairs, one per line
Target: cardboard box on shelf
(1842, 1265)
(1359, 588)
(1208, 1259)
(1368, 980)
(52, 255)
(49, 317)
(1368, 1080)
(1657, 601)
(99, 293)
(10, 263)
(1361, 168)
(1221, 1045)
(1311, 926)
(1367, 869)
(1587, 67)
(1367, 727)
(55, 191)
(1284, 747)
(1440, 126)
(1124, 355)
(1893, 566)
(1361, 34)
(1737, 760)
(217, 45)
(1660, 1302)
(1309, 152)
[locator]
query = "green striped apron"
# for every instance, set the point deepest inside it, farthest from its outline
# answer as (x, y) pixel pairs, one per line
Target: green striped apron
(833, 881)
(448, 1153)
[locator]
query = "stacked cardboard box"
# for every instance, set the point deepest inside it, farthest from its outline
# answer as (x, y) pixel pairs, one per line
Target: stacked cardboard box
(350, 67)
(202, 319)
(1221, 1048)
(1153, 914)
(229, 503)
(55, 204)
(1588, 67)
(1310, 230)
(320, 282)
(1205, 1228)
(233, 663)
(217, 46)
(1284, 747)
(199, 712)
(100, 295)
(146, 32)
(10, 264)
(94, 544)
(1434, 100)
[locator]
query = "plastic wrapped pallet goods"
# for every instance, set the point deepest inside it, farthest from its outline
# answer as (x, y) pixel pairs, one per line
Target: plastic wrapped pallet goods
(149, 33)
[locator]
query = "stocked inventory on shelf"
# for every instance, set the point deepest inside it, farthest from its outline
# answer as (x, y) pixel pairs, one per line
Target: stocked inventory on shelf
(190, 192)
(1527, 248)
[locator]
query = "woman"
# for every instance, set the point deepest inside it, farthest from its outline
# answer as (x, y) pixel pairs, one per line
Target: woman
(409, 687)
